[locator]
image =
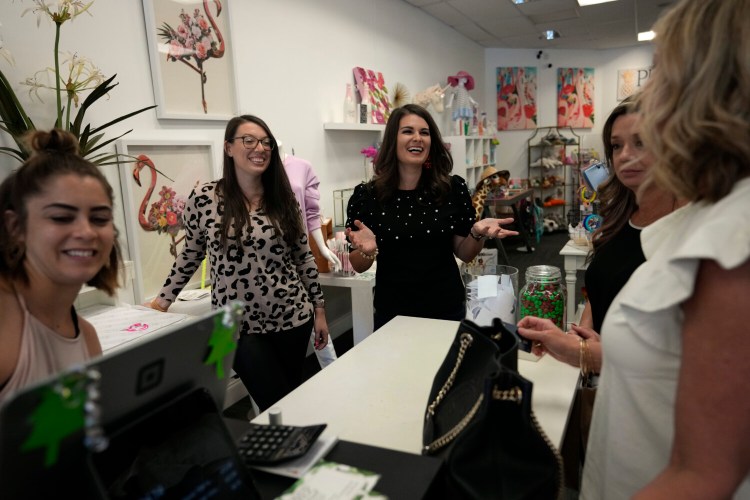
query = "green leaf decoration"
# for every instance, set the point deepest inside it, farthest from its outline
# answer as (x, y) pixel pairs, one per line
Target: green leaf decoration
(60, 414)
(222, 342)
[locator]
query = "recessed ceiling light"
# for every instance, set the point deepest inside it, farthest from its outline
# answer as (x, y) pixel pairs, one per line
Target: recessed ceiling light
(550, 34)
(645, 36)
(584, 3)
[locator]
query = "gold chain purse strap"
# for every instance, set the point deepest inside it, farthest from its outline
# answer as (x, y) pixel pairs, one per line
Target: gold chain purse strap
(466, 340)
(513, 394)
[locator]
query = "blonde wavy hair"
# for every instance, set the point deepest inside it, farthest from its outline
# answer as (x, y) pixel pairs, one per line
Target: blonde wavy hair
(696, 104)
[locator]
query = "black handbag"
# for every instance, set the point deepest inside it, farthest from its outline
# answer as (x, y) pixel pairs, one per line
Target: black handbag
(576, 435)
(480, 423)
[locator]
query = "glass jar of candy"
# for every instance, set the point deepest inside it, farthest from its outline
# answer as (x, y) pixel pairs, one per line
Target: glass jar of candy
(543, 295)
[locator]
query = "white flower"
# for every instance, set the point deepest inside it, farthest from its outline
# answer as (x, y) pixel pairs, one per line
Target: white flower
(5, 52)
(58, 11)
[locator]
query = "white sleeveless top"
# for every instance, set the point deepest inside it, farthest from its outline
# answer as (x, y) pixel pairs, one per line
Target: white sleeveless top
(43, 353)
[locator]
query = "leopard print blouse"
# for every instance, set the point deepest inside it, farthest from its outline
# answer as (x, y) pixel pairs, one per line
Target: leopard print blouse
(278, 283)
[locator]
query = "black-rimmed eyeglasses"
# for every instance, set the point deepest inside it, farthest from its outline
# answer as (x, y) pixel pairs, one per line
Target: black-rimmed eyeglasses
(251, 142)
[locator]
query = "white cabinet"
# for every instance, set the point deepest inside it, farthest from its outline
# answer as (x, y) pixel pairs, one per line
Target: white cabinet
(471, 155)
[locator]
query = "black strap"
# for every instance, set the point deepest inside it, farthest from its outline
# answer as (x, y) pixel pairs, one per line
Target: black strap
(74, 317)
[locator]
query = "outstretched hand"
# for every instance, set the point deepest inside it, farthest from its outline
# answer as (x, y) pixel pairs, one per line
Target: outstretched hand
(491, 228)
(364, 238)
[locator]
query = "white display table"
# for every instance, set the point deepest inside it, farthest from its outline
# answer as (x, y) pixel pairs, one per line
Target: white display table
(377, 392)
(575, 259)
(360, 287)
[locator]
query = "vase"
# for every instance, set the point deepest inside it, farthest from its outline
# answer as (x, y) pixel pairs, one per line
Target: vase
(350, 107)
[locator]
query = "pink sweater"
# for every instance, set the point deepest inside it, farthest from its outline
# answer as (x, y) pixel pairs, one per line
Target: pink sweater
(305, 186)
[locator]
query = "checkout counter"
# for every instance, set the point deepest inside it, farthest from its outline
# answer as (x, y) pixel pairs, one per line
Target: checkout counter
(373, 398)
(376, 394)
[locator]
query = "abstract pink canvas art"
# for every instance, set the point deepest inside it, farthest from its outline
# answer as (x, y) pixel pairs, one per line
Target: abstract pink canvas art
(371, 88)
(575, 97)
(516, 98)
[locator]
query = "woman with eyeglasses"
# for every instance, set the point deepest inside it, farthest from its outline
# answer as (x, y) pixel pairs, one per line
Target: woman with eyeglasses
(259, 254)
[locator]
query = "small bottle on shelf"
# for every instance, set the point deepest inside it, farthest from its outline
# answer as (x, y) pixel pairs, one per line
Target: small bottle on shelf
(350, 108)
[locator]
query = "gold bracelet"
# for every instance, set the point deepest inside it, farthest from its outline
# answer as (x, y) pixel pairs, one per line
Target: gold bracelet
(155, 305)
(581, 357)
(584, 359)
(589, 359)
(368, 257)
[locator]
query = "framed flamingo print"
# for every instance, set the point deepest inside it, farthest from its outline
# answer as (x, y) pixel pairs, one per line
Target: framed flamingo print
(191, 59)
(155, 186)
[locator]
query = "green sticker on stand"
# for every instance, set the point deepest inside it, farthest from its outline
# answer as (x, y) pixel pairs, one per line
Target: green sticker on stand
(60, 414)
(222, 341)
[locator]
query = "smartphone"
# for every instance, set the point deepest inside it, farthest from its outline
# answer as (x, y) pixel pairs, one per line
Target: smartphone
(595, 174)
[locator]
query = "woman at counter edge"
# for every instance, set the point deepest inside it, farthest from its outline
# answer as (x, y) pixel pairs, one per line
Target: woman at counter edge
(414, 217)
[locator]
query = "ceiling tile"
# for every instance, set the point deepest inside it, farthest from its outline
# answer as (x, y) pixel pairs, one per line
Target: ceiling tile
(449, 15)
(501, 23)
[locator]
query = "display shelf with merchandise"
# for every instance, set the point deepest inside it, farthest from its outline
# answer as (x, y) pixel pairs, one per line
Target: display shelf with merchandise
(356, 127)
(553, 169)
(471, 155)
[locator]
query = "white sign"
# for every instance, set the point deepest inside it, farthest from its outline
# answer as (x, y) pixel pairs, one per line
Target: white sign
(630, 81)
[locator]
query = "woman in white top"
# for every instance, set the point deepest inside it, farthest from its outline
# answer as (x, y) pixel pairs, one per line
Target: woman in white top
(57, 235)
(672, 414)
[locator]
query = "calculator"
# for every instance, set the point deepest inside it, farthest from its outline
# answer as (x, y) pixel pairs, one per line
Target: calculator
(270, 444)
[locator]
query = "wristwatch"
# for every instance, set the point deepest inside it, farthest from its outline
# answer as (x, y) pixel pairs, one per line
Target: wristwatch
(319, 304)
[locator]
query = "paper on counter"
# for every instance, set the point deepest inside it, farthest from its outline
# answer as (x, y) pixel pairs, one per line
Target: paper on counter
(297, 467)
(118, 325)
(197, 294)
(329, 480)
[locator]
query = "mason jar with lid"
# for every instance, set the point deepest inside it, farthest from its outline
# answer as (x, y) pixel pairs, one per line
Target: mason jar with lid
(543, 295)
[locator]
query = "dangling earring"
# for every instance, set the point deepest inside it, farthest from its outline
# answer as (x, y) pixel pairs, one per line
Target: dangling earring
(427, 163)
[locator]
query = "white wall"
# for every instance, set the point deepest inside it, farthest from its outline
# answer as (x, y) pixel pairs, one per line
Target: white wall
(293, 59)
(511, 153)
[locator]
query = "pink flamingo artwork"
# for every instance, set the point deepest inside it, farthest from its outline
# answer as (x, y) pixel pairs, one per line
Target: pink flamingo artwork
(575, 89)
(165, 214)
(193, 43)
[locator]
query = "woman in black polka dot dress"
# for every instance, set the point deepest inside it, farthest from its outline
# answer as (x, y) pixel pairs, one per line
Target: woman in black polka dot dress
(414, 216)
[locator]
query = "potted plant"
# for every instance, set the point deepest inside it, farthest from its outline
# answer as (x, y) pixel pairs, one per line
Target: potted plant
(76, 77)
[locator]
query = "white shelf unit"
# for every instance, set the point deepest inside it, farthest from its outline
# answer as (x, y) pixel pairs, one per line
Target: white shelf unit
(361, 127)
(471, 155)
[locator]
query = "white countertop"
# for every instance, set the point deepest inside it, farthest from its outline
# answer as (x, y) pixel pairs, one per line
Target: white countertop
(377, 392)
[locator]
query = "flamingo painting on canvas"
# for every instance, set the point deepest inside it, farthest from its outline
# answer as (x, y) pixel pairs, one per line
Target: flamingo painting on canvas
(196, 39)
(165, 214)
